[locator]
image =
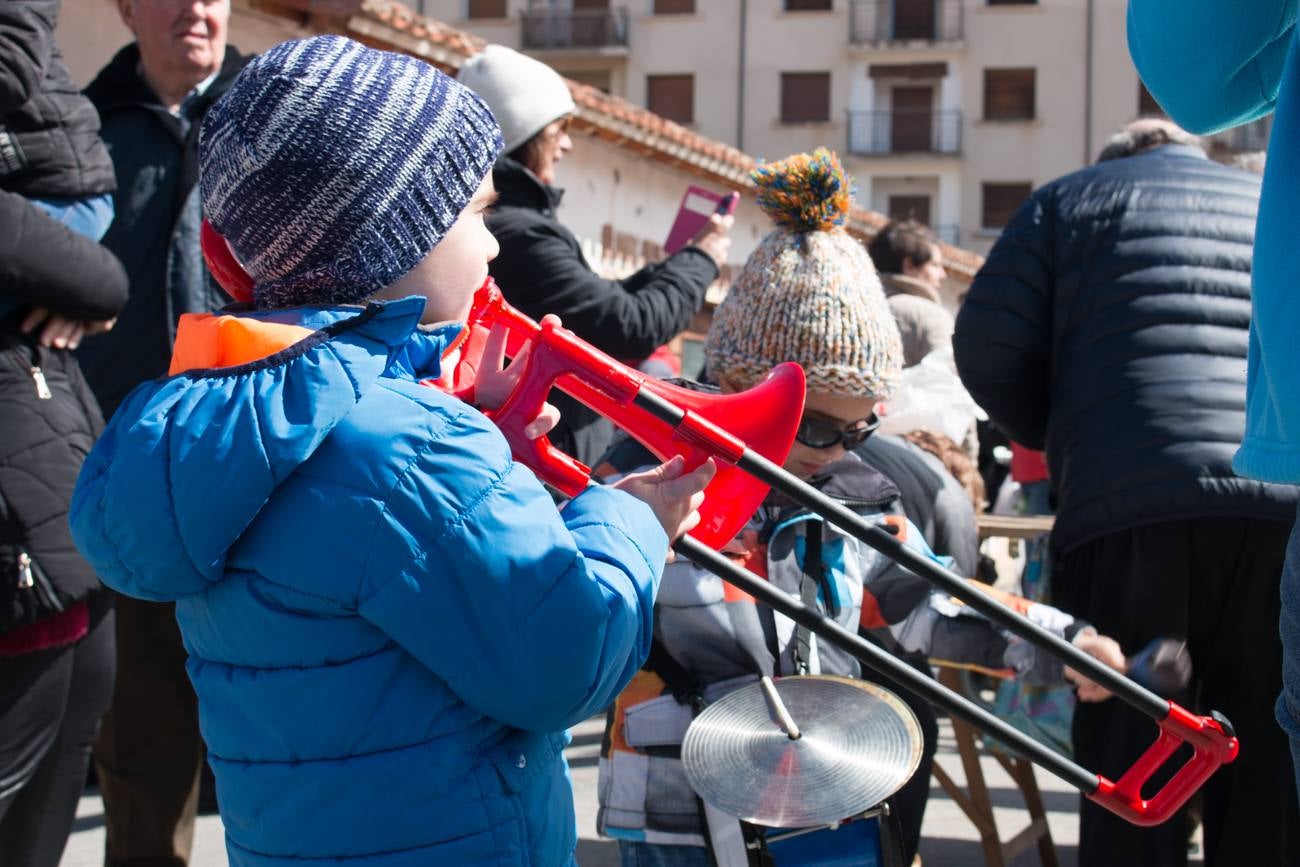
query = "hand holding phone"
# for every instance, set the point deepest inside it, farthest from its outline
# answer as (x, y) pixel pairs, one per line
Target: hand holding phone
(697, 208)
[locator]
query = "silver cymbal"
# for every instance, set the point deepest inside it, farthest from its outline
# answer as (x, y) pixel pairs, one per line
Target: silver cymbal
(856, 744)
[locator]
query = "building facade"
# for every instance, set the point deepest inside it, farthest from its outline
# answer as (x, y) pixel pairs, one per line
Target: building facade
(949, 111)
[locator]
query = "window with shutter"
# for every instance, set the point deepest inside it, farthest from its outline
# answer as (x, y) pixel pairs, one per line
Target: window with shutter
(674, 7)
(915, 19)
(910, 208)
(1000, 201)
(486, 9)
(671, 96)
(1009, 94)
(805, 97)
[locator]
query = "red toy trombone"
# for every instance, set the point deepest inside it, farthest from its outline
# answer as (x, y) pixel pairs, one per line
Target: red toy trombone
(748, 435)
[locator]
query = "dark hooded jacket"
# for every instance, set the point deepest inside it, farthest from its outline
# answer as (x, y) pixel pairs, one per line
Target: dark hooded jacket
(156, 231)
(49, 416)
(49, 142)
(1109, 325)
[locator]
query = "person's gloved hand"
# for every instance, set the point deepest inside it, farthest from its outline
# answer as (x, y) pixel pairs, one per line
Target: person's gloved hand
(1103, 648)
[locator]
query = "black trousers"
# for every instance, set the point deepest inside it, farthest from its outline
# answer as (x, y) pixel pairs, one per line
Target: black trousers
(51, 702)
(1213, 582)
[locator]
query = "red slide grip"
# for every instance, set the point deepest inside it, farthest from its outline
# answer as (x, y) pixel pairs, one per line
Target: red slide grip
(1213, 744)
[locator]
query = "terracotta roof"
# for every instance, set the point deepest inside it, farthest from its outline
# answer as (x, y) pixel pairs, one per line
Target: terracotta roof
(391, 25)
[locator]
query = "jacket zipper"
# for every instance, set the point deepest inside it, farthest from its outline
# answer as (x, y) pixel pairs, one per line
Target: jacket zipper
(31, 578)
(42, 387)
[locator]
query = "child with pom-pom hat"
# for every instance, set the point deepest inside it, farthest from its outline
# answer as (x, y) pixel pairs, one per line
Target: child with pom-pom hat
(808, 294)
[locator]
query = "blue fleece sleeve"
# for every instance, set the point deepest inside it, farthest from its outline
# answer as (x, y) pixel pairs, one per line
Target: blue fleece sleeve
(534, 617)
(1211, 64)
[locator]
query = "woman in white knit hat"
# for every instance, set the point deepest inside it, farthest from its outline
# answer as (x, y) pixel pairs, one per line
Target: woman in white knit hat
(541, 268)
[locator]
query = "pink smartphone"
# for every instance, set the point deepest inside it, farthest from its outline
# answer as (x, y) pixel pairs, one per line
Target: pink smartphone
(697, 206)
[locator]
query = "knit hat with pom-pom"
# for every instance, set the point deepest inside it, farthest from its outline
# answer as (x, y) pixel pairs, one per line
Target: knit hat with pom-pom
(808, 293)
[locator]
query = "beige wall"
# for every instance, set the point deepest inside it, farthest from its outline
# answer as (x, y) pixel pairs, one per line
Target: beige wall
(1048, 36)
(604, 184)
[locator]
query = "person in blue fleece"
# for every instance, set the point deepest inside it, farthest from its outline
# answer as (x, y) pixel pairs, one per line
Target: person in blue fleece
(389, 624)
(1214, 64)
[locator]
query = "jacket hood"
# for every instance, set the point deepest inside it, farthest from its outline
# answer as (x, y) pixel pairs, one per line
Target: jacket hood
(188, 461)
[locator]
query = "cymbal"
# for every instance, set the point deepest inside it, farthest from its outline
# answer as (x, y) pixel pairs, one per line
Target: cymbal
(857, 744)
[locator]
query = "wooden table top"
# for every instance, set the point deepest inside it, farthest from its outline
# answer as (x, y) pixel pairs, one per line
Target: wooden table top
(1013, 526)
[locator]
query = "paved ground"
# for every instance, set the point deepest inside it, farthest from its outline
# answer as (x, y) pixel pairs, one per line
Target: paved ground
(949, 838)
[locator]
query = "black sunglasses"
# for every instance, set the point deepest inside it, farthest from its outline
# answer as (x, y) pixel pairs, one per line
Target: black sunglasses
(819, 434)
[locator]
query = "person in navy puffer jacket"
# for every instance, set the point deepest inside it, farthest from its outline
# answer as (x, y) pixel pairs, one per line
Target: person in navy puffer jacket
(389, 624)
(1109, 327)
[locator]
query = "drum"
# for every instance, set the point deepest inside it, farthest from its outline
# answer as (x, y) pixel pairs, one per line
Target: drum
(869, 840)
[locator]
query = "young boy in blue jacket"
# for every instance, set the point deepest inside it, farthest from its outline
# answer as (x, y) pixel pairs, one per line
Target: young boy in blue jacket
(389, 624)
(1213, 64)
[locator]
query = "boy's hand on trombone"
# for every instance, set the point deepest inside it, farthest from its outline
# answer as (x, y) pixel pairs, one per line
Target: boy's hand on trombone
(494, 382)
(674, 494)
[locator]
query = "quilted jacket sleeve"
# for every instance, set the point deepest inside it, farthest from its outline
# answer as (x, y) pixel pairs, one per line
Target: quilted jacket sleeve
(1211, 64)
(1002, 342)
(534, 617)
(46, 264)
(26, 43)
(948, 632)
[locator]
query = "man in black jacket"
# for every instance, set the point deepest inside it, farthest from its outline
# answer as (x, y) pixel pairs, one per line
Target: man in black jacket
(151, 97)
(1109, 326)
(541, 268)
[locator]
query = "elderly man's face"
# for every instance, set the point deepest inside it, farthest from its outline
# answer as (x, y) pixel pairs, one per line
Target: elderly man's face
(183, 41)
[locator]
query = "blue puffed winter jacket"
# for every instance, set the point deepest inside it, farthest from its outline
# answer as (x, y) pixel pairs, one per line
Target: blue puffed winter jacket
(1213, 64)
(389, 624)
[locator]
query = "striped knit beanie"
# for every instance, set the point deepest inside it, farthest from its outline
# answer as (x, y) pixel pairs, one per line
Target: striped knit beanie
(333, 169)
(808, 293)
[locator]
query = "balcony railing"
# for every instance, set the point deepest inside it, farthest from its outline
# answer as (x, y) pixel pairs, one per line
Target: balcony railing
(875, 133)
(574, 28)
(883, 21)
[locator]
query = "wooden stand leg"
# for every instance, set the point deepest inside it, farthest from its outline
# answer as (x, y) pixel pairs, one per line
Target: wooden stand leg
(974, 799)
